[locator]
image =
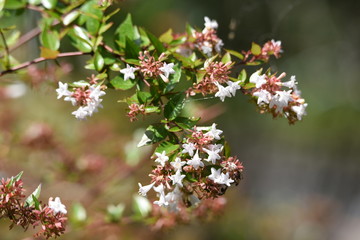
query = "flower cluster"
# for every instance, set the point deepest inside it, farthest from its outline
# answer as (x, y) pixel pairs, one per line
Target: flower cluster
(271, 97)
(51, 217)
(149, 67)
(207, 40)
(197, 170)
(263, 54)
(85, 95)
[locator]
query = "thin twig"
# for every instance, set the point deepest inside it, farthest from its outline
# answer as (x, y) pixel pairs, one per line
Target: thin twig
(39, 60)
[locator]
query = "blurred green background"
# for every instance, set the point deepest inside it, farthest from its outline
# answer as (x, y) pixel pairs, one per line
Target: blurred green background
(301, 182)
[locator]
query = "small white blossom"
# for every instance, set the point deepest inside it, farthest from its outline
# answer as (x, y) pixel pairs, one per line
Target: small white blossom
(167, 69)
(213, 155)
(213, 132)
(207, 48)
(161, 158)
(232, 87)
(290, 84)
(258, 79)
(173, 198)
(300, 110)
(81, 113)
(143, 190)
(215, 174)
(159, 189)
(128, 72)
(219, 45)
(210, 24)
(57, 206)
(222, 92)
(196, 161)
(281, 100)
(177, 178)
(276, 43)
(63, 91)
(189, 148)
(263, 96)
(218, 177)
(177, 164)
(162, 201)
(144, 141)
(96, 93)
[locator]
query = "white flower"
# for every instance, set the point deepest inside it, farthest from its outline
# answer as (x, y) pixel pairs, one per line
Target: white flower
(277, 43)
(173, 198)
(189, 148)
(162, 201)
(177, 178)
(196, 161)
(290, 84)
(263, 96)
(177, 164)
(219, 45)
(206, 48)
(81, 113)
(300, 110)
(161, 158)
(96, 93)
(143, 190)
(215, 174)
(128, 72)
(213, 132)
(144, 141)
(232, 87)
(57, 206)
(259, 80)
(215, 147)
(167, 69)
(62, 90)
(218, 177)
(281, 100)
(210, 24)
(222, 92)
(159, 189)
(213, 155)
(225, 179)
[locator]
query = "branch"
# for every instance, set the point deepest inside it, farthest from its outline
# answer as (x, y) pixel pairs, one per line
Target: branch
(39, 60)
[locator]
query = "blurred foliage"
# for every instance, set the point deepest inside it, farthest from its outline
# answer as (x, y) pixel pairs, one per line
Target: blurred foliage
(301, 182)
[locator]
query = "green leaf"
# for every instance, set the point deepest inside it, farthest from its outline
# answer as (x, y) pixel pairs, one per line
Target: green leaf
(14, 179)
(2, 4)
(70, 17)
(98, 61)
(32, 199)
(50, 39)
(14, 4)
(255, 49)
(174, 107)
(49, 4)
(226, 58)
(155, 133)
(159, 47)
(143, 97)
(167, 37)
(152, 109)
(34, 2)
(186, 123)
(80, 39)
(78, 214)
(125, 29)
(119, 83)
(114, 212)
(141, 206)
(168, 147)
(131, 49)
(236, 54)
(242, 75)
